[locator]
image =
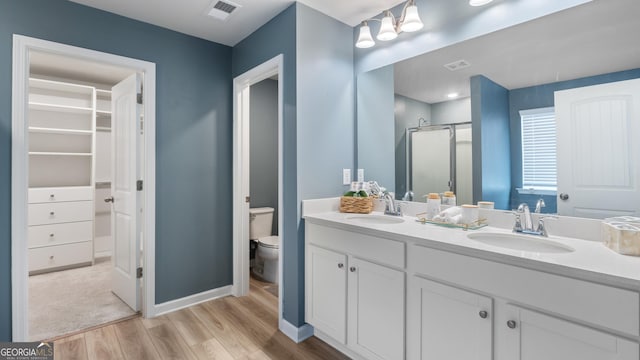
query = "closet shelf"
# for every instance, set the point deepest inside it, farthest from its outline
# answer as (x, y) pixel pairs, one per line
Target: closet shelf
(43, 130)
(60, 108)
(50, 153)
(103, 113)
(60, 86)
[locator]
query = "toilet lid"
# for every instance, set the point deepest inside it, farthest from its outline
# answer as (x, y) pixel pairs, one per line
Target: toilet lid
(269, 241)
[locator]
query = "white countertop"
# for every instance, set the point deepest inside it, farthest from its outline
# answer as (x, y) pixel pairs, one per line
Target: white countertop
(591, 260)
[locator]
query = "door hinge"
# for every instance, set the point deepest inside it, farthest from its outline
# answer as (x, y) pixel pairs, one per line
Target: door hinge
(139, 185)
(139, 98)
(139, 273)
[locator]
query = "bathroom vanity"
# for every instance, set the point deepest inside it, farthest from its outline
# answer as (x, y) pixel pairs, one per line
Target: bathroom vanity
(378, 288)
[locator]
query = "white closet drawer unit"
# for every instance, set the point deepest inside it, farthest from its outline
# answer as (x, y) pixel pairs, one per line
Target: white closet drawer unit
(58, 256)
(54, 213)
(57, 194)
(58, 234)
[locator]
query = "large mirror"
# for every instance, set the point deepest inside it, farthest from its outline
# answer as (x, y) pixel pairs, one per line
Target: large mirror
(459, 112)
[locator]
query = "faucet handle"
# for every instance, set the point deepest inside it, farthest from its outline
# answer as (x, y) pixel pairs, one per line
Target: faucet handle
(517, 225)
(542, 229)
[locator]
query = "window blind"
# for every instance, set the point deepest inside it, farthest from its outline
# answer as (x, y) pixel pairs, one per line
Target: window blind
(539, 149)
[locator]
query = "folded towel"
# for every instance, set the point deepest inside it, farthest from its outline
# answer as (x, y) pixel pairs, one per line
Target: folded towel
(452, 215)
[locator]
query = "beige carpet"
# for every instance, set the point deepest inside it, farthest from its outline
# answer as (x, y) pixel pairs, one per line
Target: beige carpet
(66, 301)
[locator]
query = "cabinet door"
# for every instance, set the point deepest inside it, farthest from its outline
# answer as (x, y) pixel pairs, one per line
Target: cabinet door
(533, 336)
(376, 310)
(445, 322)
(326, 292)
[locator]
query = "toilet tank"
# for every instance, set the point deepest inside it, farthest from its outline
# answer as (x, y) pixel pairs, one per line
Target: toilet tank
(260, 222)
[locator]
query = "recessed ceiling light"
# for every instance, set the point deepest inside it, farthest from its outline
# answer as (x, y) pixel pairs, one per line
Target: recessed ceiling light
(452, 95)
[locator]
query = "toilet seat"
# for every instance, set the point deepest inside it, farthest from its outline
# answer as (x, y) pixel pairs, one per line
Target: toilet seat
(272, 242)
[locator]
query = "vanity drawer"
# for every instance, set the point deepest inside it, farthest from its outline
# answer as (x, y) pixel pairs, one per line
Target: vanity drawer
(60, 212)
(55, 194)
(383, 251)
(57, 234)
(574, 299)
(59, 255)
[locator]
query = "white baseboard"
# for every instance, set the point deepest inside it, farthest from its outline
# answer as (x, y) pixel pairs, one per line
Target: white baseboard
(297, 334)
(173, 305)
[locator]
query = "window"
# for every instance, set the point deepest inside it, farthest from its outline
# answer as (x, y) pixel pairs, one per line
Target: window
(539, 149)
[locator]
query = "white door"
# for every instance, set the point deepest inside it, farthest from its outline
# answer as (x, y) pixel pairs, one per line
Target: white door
(534, 336)
(376, 310)
(447, 323)
(326, 292)
(598, 150)
(125, 126)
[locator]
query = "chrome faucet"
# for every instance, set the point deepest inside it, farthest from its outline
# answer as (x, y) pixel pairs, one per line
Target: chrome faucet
(523, 218)
(524, 221)
(390, 205)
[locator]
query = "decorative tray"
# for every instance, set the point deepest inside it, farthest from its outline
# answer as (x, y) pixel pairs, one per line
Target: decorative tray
(480, 223)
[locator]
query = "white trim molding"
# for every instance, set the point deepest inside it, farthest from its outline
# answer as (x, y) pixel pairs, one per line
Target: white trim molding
(191, 300)
(22, 46)
(241, 85)
(297, 334)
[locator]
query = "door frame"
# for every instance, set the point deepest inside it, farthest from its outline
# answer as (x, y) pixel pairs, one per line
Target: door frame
(241, 117)
(22, 45)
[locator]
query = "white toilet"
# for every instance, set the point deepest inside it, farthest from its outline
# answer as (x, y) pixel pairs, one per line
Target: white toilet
(266, 263)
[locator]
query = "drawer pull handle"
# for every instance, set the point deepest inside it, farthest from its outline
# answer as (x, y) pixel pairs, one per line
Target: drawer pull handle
(511, 324)
(51, 257)
(109, 199)
(51, 235)
(483, 314)
(352, 269)
(52, 213)
(340, 265)
(52, 196)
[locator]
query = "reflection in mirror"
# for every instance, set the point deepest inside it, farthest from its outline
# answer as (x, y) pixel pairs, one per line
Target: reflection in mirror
(497, 76)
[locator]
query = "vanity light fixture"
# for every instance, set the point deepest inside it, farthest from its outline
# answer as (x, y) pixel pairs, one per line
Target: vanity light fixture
(479, 2)
(390, 26)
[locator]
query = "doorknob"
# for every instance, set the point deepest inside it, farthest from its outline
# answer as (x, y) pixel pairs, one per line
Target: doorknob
(109, 199)
(563, 196)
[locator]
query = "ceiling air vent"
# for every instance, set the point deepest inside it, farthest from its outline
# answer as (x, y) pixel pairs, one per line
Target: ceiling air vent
(457, 65)
(222, 9)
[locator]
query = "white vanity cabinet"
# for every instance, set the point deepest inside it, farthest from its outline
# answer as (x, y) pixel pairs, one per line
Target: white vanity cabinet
(356, 298)
(326, 292)
(533, 335)
(447, 323)
(532, 315)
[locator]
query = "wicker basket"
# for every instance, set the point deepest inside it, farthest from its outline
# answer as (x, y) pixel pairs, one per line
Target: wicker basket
(358, 205)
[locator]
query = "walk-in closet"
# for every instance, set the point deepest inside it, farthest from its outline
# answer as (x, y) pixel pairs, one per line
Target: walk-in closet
(70, 174)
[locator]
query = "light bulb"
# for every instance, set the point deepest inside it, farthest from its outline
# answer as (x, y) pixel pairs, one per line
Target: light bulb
(365, 40)
(412, 20)
(479, 2)
(387, 28)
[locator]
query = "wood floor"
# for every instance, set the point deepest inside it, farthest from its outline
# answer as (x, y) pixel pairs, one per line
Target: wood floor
(227, 328)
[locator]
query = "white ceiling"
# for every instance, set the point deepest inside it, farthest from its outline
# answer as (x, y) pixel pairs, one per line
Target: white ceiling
(595, 38)
(188, 16)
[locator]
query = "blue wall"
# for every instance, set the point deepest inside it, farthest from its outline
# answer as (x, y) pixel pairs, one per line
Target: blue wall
(264, 147)
(375, 126)
(326, 98)
(194, 84)
(491, 153)
(542, 96)
(278, 36)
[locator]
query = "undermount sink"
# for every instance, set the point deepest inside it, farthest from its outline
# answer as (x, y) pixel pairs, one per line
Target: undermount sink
(375, 219)
(521, 242)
